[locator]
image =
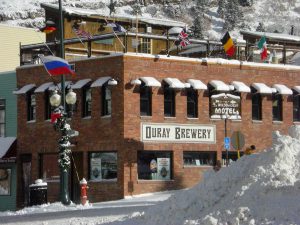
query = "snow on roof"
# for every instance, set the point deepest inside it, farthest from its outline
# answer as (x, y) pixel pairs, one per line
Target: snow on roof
(275, 36)
(105, 13)
(5, 143)
(262, 88)
(197, 84)
(282, 89)
(100, 81)
(219, 85)
(43, 87)
(79, 84)
(240, 86)
(297, 88)
(174, 83)
(150, 81)
(24, 89)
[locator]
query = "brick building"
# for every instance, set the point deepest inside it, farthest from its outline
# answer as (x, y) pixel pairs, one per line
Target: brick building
(126, 145)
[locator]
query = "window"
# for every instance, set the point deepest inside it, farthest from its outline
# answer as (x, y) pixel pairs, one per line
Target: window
(154, 165)
(31, 106)
(48, 108)
(256, 106)
(87, 102)
(232, 156)
(49, 168)
(192, 103)
(2, 117)
(5, 181)
(103, 166)
(199, 158)
(145, 45)
(296, 107)
(145, 100)
(169, 101)
(277, 107)
(106, 100)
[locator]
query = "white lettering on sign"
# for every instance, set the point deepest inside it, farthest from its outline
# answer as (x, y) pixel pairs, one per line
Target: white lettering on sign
(189, 133)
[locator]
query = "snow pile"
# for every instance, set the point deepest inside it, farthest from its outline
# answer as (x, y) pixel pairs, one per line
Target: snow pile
(257, 189)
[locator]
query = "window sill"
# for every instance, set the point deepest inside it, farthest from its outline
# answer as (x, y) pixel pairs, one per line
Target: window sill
(195, 166)
(103, 181)
(170, 118)
(106, 117)
(86, 118)
(277, 122)
(31, 121)
(146, 117)
(257, 121)
(296, 122)
(192, 118)
(153, 181)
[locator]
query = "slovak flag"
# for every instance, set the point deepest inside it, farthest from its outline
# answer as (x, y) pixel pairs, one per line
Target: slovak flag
(56, 66)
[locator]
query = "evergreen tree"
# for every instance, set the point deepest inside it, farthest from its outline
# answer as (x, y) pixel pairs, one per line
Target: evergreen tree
(221, 8)
(232, 15)
(201, 7)
(260, 27)
(197, 28)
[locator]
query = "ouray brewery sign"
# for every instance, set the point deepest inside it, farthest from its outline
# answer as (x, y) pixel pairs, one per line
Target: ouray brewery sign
(188, 133)
(225, 104)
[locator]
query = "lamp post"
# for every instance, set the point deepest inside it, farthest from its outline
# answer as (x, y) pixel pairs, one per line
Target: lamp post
(226, 117)
(61, 124)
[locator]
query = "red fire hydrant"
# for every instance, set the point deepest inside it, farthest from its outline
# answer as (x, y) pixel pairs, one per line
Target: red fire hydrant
(83, 191)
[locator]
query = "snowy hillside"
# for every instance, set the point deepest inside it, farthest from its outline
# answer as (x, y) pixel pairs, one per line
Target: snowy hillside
(277, 15)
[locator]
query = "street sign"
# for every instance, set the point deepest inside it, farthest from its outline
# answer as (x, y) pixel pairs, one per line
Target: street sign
(237, 140)
(227, 143)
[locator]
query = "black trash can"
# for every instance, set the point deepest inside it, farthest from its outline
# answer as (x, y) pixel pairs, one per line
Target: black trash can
(38, 193)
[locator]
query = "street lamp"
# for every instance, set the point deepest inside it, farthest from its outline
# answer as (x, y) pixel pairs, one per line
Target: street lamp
(226, 117)
(61, 124)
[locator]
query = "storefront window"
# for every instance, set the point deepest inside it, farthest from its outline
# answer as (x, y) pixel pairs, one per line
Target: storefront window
(154, 165)
(296, 107)
(49, 169)
(5, 181)
(103, 166)
(2, 117)
(232, 156)
(199, 158)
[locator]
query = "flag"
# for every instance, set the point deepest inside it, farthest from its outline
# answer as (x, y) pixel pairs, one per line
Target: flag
(183, 39)
(262, 45)
(116, 27)
(82, 33)
(55, 116)
(56, 66)
(228, 44)
(48, 29)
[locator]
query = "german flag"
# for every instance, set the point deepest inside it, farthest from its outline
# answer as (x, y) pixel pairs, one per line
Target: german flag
(228, 44)
(48, 29)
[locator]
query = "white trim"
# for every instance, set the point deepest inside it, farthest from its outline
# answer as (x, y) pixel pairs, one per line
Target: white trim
(174, 83)
(262, 88)
(219, 85)
(24, 89)
(197, 84)
(150, 81)
(79, 84)
(282, 89)
(43, 87)
(100, 81)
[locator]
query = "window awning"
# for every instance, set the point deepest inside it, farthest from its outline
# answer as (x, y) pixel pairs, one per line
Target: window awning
(79, 84)
(150, 81)
(100, 81)
(197, 84)
(240, 86)
(297, 88)
(24, 89)
(174, 83)
(58, 86)
(5, 145)
(262, 88)
(282, 89)
(219, 85)
(43, 87)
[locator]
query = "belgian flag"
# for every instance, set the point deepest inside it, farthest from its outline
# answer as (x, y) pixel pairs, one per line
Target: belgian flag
(228, 44)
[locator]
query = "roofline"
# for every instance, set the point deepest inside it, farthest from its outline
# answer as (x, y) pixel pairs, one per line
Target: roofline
(257, 35)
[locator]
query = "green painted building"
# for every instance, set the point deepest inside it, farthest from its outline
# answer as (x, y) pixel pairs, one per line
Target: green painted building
(8, 132)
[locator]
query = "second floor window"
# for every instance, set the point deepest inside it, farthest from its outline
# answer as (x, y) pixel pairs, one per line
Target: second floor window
(145, 45)
(48, 108)
(296, 107)
(31, 106)
(87, 102)
(277, 107)
(106, 100)
(192, 103)
(2, 117)
(169, 101)
(256, 107)
(145, 100)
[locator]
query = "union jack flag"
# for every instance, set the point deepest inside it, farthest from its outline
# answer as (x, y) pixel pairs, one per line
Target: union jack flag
(82, 33)
(183, 39)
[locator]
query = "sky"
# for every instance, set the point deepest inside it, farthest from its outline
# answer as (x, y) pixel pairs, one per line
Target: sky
(261, 188)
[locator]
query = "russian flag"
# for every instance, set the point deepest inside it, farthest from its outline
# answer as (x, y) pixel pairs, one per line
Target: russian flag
(56, 66)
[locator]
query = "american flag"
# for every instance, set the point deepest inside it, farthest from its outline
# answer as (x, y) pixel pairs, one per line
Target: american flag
(82, 33)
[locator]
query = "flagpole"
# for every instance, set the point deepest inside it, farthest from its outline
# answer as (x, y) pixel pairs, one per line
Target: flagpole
(115, 34)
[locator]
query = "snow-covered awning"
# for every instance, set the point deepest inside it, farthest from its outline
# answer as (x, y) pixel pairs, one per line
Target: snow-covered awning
(79, 84)
(175, 30)
(174, 83)
(58, 86)
(24, 89)
(240, 86)
(197, 84)
(5, 144)
(100, 81)
(43, 87)
(150, 81)
(297, 89)
(282, 89)
(262, 88)
(219, 85)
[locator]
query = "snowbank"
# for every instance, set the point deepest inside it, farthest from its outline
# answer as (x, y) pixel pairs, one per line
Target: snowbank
(257, 189)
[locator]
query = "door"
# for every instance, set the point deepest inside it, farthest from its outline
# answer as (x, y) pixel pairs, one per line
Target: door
(76, 176)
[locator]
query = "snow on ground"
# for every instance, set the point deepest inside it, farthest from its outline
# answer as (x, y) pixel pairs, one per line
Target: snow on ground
(262, 188)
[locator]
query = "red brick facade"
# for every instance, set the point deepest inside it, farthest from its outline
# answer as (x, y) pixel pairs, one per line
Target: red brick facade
(121, 131)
